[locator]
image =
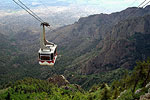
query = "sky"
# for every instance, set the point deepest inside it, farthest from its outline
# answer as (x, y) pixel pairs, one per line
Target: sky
(107, 6)
(87, 7)
(104, 6)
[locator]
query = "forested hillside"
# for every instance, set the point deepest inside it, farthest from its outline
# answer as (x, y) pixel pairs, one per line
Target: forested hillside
(132, 85)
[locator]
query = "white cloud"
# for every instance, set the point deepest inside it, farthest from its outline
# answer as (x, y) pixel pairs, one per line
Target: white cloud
(35, 3)
(87, 6)
(108, 6)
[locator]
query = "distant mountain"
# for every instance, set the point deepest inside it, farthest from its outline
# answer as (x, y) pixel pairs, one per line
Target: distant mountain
(103, 43)
(127, 42)
(91, 35)
(7, 53)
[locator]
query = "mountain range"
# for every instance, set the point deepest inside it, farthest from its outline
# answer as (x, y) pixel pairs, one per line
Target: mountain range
(94, 49)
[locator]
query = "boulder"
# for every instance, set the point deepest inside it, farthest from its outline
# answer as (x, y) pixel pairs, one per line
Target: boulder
(145, 97)
(148, 85)
(59, 80)
(138, 91)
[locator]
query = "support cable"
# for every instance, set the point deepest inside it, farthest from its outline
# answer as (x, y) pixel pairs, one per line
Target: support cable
(146, 3)
(28, 11)
(132, 12)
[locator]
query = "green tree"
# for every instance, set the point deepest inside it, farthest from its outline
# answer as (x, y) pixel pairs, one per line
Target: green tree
(148, 72)
(116, 93)
(138, 73)
(106, 93)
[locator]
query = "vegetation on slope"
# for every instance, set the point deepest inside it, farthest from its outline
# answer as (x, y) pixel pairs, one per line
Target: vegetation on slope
(124, 89)
(32, 89)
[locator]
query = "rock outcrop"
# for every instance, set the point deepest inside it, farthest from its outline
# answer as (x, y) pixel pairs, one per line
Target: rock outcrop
(145, 97)
(59, 80)
(128, 41)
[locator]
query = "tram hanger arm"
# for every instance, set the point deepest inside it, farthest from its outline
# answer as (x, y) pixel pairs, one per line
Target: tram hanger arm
(45, 24)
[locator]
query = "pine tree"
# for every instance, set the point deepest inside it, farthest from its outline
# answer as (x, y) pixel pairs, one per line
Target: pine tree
(8, 96)
(137, 74)
(106, 94)
(115, 93)
(148, 72)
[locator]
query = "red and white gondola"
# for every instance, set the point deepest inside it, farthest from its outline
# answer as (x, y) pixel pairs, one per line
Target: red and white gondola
(48, 50)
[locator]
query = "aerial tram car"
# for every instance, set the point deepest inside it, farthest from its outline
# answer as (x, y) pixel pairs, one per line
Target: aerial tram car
(48, 50)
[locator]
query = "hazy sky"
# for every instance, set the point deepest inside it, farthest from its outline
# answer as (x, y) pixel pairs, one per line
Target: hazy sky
(77, 6)
(106, 6)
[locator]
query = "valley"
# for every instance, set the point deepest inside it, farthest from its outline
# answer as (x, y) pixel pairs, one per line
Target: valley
(94, 49)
